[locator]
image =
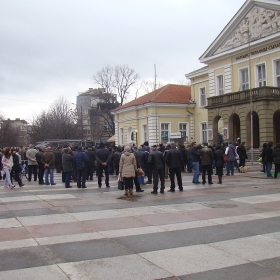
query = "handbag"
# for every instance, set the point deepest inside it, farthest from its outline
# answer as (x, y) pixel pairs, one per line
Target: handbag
(120, 185)
(225, 158)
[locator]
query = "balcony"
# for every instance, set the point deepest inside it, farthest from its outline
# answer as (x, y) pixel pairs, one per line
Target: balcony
(235, 98)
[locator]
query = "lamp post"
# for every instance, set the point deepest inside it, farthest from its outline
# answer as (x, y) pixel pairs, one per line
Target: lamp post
(135, 131)
(82, 134)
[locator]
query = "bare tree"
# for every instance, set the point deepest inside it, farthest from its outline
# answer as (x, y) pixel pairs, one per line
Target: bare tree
(59, 122)
(118, 80)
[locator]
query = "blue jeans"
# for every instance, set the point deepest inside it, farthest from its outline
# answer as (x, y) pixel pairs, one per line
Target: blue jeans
(230, 167)
(8, 182)
(67, 179)
(268, 169)
(49, 171)
(196, 171)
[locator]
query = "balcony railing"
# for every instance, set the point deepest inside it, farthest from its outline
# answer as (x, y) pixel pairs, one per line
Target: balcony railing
(272, 93)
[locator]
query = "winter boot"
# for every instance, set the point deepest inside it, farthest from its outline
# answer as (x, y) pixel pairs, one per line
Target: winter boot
(126, 192)
(131, 191)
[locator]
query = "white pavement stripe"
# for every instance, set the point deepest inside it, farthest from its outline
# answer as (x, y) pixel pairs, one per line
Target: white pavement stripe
(258, 198)
(15, 244)
(146, 230)
(50, 272)
(36, 197)
(46, 219)
(9, 223)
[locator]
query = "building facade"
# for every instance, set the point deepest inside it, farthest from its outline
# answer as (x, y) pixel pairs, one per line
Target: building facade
(238, 91)
(93, 108)
(163, 115)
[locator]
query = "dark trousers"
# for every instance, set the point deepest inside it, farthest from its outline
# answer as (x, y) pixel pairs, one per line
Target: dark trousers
(207, 168)
(136, 182)
(67, 176)
(172, 172)
(148, 172)
(189, 165)
(158, 173)
(90, 172)
(100, 169)
(41, 172)
(32, 169)
(81, 177)
(277, 169)
(17, 177)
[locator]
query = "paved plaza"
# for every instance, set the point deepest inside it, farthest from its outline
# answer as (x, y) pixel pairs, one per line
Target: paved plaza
(229, 231)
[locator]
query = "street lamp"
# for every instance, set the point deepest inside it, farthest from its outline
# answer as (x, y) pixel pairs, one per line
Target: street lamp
(135, 131)
(82, 134)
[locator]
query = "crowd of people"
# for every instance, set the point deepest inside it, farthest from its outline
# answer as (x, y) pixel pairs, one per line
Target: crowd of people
(131, 164)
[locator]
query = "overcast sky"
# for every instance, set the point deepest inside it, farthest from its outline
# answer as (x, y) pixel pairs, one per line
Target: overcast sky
(52, 48)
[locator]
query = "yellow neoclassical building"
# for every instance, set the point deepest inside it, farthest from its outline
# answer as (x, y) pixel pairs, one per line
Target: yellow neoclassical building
(163, 115)
(238, 91)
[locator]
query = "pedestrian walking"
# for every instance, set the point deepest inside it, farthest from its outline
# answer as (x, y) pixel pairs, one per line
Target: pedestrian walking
(7, 162)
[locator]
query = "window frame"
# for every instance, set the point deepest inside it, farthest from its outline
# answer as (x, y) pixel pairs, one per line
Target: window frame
(167, 139)
(262, 80)
(243, 83)
(200, 97)
(219, 79)
(121, 137)
(203, 132)
(185, 135)
(276, 77)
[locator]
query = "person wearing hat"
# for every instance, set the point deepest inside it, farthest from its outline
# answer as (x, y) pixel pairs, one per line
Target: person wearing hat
(127, 169)
(156, 162)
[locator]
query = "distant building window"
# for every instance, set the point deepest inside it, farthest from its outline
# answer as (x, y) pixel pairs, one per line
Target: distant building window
(202, 96)
(220, 85)
(183, 129)
(164, 132)
(203, 132)
(121, 136)
(261, 76)
(244, 78)
(144, 133)
(277, 72)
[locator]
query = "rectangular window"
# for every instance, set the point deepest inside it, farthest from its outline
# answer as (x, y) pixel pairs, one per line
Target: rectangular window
(203, 132)
(220, 85)
(261, 78)
(277, 72)
(202, 95)
(244, 78)
(121, 136)
(183, 130)
(144, 133)
(164, 132)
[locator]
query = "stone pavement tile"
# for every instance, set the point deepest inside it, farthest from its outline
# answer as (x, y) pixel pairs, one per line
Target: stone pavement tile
(22, 206)
(274, 235)
(254, 248)
(192, 259)
(122, 267)
(86, 250)
(46, 219)
(56, 196)
(37, 212)
(258, 199)
(6, 215)
(96, 215)
(3, 208)
(58, 229)
(19, 198)
(5, 245)
(261, 226)
(9, 223)
(18, 233)
(187, 225)
(243, 271)
(179, 238)
(166, 218)
(272, 264)
(69, 238)
(24, 258)
(68, 202)
(49, 272)
(271, 278)
(116, 223)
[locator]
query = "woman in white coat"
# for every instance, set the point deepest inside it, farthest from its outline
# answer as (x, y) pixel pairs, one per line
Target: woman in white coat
(7, 162)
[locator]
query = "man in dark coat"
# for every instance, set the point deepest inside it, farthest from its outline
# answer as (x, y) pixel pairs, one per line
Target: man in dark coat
(116, 159)
(195, 152)
(102, 159)
(41, 168)
(91, 162)
(81, 162)
(207, 157)
(269, 158)
(156, 162)
(67, 166)
(174, 161)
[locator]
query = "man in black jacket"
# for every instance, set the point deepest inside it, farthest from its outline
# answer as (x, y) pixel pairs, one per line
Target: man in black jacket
(91, 162)
(156, 162)
(195, 152)
(102, 159)
(41, 169)
(174, 161)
